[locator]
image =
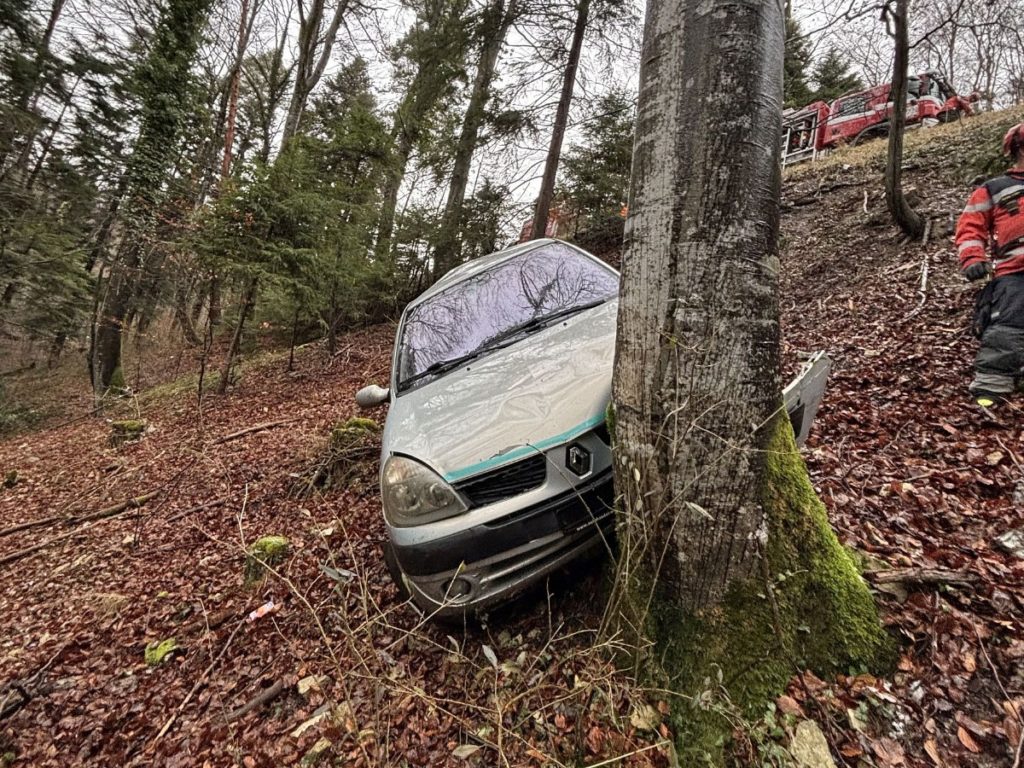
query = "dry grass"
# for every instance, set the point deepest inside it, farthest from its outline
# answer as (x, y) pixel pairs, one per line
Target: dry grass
(980, 134)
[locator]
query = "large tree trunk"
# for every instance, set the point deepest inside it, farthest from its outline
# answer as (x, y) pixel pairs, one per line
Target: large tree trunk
(547, 185)
(905, 217)
(716, 501)
(164, 77)
(495, 27)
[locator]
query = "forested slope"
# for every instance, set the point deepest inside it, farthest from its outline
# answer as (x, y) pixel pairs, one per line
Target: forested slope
(341, 670)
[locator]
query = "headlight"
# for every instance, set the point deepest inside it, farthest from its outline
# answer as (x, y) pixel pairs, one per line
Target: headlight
(414, 495)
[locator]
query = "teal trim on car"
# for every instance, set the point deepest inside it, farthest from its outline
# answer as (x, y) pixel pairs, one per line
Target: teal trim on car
(525, 450)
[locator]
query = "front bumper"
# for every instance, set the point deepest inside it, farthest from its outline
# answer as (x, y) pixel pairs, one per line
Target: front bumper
(489, 563)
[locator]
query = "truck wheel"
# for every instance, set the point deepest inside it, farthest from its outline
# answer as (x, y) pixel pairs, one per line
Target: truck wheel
(949, 116)
(868, 134)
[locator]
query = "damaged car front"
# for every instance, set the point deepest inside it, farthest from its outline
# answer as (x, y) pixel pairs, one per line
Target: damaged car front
(496, 463)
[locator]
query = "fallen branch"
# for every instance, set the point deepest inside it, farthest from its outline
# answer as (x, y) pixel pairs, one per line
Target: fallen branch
(198, 508)
(265, 697)
(117, 509)
(250, 430)
(9, 705)
(921, 576)
(922, 291)
(31, 524)
(199, 683)
(27, 688)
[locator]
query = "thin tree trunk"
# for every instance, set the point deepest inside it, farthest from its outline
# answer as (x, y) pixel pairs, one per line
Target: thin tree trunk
(248, 300)
(28, 100)
(309, 67)
(244, 30)
(547, 185)
(905, 217)
(182, 316)
(448, 247)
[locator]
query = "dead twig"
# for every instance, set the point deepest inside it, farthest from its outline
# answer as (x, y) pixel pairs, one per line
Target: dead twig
(199, 684)
(250, 430)
(265, 697)
(921, 576)
(1006, 696)
(117, 509)
(198, 508)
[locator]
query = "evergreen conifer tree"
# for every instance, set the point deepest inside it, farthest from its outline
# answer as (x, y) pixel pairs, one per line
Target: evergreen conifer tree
(833, 77)
(797, 58)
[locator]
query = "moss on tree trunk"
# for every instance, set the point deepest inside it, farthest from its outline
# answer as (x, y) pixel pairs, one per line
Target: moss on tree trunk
(808, 608)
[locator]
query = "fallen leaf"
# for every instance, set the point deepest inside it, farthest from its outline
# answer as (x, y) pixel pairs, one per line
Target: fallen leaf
(933, 751)
(465, 751)
(490, 656)
(967, 740)
(789, 706)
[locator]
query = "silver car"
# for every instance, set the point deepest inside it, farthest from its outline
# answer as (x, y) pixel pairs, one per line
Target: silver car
(496, 464)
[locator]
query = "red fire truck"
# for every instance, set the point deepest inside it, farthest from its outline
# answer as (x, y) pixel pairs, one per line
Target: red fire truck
(857, 117)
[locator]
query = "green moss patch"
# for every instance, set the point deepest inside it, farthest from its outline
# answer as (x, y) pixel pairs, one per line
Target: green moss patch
(809, 608)
(159, 651)
(268, 551)
(127, 431)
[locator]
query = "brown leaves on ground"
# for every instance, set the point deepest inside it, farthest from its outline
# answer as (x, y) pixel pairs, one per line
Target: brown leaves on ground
(380, 687)
(913, 477)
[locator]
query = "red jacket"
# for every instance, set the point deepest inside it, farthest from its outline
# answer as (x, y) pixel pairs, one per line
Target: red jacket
(994, 218)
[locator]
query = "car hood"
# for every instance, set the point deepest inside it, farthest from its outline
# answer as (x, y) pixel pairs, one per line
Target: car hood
(543, 390)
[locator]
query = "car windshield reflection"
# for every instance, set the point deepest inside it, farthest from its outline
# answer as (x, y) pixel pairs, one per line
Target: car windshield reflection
(497, 307)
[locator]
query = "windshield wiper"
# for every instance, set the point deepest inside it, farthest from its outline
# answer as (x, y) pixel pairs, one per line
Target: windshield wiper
(503, 339)
(542, 322)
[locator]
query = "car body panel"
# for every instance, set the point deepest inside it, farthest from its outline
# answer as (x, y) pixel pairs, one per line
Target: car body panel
(510, 403)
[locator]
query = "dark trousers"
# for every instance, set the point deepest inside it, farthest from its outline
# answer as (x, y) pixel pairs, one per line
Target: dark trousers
(1000, 319)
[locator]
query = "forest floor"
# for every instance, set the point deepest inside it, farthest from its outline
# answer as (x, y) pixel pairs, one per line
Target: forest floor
(340, 671)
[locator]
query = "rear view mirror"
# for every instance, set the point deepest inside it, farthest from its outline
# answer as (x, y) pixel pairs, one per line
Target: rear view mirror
(372, 396)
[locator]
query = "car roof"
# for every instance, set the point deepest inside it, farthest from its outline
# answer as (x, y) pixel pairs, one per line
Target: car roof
(476, 266)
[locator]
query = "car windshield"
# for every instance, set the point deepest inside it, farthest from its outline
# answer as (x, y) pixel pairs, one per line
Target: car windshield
(498, 305)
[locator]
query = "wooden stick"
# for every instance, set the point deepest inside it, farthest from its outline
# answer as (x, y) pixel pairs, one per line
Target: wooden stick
(250, 430)
(117, 509)
(921, 576)
(265, 697)
(31, 524)
(199, 507)
(197, 686)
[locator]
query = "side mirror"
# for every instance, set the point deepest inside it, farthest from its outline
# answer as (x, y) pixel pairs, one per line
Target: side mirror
(372, 396)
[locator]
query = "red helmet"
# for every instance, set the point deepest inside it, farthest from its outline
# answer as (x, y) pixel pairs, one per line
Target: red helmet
(1013, 141)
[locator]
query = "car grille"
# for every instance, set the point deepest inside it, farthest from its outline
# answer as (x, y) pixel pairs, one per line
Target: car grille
(504, 482)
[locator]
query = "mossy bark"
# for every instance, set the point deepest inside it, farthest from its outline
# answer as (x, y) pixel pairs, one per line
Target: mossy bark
(807, 608)
(126, 431)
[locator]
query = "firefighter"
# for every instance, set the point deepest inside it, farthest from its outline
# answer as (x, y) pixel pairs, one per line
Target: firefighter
(994, 219)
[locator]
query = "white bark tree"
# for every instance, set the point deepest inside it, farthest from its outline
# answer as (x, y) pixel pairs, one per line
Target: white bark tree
(725, 550)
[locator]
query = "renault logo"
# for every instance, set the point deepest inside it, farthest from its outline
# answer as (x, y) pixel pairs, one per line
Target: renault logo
(577, 459)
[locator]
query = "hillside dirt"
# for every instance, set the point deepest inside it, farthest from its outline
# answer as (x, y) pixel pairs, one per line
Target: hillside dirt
(321, 662)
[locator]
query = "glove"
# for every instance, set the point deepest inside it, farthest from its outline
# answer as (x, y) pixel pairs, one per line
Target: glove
(976, 271)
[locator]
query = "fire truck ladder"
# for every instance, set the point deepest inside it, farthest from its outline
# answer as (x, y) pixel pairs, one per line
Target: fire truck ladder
(800, 137)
